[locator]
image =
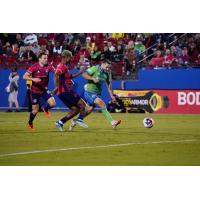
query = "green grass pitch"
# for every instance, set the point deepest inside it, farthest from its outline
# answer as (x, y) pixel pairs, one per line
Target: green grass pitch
(173, 141)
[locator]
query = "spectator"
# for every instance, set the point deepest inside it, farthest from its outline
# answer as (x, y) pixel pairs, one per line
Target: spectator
(66, 46)
(111, 47)
(118, 54)
(7, 50)
(117, 35)
(35, 48)
(59, 37)
(139, 47)
(76, 47)
(96, 54)
(19, 40)
(12, 89)
(26, 55)
(30, 39)
(106, 53)
(158, 60)
(69, 37)
(43, 48)
(89, 45)
(168, 58)
(139, 50)
(57, 49)
(129, 60)
(184, 58)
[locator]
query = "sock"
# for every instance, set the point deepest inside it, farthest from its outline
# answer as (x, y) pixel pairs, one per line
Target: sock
(80, 116)
(31, 118)
(47, 107)
(107, 115)
(64, 120)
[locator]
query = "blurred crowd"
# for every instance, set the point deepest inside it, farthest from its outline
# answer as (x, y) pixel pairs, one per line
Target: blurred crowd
(126, 51)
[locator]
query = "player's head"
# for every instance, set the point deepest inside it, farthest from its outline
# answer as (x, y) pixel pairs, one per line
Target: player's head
(106, 65)
(43, 59)
(66, 56)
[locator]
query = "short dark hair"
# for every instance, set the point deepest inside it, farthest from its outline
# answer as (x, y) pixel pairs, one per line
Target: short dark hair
(41, 54)
(106, 61)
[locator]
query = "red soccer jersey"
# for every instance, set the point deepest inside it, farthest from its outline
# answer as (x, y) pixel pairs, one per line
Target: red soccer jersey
(37, 71)
(64, 83)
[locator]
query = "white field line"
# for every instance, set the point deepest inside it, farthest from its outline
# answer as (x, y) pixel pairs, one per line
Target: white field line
(92, 147)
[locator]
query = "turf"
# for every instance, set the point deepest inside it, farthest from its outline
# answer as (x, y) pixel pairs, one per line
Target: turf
(15, 137)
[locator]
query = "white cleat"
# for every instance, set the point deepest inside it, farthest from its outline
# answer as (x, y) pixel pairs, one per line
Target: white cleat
(115, 123)
(81, 123)
(72, 125)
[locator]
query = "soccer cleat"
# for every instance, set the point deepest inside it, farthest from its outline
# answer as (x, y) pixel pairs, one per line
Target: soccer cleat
(59, 126)
(72, 125)
(115, 123)
(30, 126)
(47, 114)
(81, 123)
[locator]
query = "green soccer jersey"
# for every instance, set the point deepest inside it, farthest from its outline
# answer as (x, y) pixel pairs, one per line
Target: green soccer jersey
(98, 73)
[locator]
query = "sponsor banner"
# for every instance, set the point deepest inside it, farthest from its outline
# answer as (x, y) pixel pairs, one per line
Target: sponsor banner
(161, 101)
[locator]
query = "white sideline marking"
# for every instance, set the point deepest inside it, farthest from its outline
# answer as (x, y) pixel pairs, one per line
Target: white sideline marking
(92, 147)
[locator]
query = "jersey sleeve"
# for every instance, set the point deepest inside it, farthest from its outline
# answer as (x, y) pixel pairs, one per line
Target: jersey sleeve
(91, 70)
(31, 69)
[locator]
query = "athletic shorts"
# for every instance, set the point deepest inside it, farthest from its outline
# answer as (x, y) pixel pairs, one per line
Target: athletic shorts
(35, 98)
(90, 97)
(70, 99)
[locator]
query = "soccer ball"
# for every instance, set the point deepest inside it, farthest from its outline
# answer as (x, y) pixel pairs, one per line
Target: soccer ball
(148, 122)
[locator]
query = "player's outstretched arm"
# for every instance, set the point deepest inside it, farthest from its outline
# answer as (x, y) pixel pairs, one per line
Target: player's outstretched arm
(82, 69)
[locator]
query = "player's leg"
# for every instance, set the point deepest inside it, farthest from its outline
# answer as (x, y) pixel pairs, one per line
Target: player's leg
(34, 98)
(33, 113)
(60, 123)
(105, 112)
(89, 107)
(50, 103)
(83, 113)
(68, 100)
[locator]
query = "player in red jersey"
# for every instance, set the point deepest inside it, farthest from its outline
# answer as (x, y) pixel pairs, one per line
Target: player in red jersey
(64, 91)
(39, 75)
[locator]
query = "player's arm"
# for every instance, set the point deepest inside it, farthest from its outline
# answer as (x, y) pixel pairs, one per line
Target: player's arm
(57, 72)
(88, 74)
(56, 79)
(27, 77)
(109, 86)
(82, 68)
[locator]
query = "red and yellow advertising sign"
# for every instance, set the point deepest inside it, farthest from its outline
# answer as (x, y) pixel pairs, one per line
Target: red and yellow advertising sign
(162, 101)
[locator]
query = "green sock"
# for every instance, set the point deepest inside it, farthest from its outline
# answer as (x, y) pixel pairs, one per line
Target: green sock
(107, 115)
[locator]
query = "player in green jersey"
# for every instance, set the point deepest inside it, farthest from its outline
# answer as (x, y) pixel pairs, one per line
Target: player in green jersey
(96, 76)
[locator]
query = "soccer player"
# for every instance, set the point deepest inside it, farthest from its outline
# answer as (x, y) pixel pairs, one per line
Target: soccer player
(65, 93)
(96, 76)
(39, 75)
